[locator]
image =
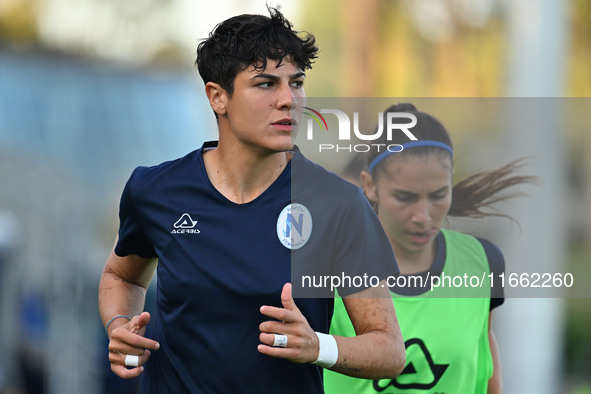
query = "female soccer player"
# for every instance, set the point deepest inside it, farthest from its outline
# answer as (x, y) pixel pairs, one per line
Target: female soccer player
(226, 223)
(450, 345)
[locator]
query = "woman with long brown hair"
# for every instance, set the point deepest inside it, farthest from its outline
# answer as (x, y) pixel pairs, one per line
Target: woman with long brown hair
(450, 345)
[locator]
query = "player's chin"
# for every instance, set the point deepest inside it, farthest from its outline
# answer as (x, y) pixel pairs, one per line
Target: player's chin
(282, 143)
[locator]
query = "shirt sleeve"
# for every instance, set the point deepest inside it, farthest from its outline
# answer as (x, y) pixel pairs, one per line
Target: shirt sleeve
(496, 263)
(132, 237)
(363, 251)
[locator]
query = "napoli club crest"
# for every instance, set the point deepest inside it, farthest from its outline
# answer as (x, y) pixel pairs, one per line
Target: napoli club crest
(294, 226)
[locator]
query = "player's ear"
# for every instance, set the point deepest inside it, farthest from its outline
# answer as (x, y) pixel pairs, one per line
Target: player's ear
(217, 97)
(369, 187)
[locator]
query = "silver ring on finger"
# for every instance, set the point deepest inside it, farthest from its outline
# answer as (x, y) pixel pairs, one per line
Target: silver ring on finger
(280, 340)
(132, 361)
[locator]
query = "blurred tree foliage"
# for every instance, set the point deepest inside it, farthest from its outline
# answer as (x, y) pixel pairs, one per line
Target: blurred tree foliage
(579, 63)
(374, 48)
(18, 22)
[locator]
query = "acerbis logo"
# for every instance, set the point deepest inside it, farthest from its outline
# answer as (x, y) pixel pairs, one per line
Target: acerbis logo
(420, 373)
(294, 226)
(185, 225)
(395, 122)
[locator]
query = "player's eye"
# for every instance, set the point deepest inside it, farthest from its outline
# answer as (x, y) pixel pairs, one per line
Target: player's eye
(439, 195)
(404, 197)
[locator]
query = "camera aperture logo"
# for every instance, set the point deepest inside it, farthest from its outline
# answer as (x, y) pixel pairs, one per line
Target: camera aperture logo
(317, 117)
(395, 122)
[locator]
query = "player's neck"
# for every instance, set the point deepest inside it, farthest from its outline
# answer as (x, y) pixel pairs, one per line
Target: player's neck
(413, 262)
(241, 175)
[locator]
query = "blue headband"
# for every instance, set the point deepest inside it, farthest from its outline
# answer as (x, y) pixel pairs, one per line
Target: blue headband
(409, 145)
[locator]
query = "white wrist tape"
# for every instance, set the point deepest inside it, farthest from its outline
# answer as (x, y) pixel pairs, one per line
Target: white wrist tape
(328, 351)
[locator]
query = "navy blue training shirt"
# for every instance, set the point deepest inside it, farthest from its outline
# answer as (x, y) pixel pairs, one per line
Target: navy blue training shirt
(219, 262)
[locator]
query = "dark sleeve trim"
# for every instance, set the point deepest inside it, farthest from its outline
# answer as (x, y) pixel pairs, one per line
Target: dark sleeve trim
(496, 263)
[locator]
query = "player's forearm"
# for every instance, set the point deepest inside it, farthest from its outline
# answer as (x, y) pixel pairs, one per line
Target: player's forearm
(495, 383)
(119, 297)
(373, 355)
(377, 351)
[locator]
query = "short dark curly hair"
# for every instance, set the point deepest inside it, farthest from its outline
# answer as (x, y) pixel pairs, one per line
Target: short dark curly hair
(246, 40)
